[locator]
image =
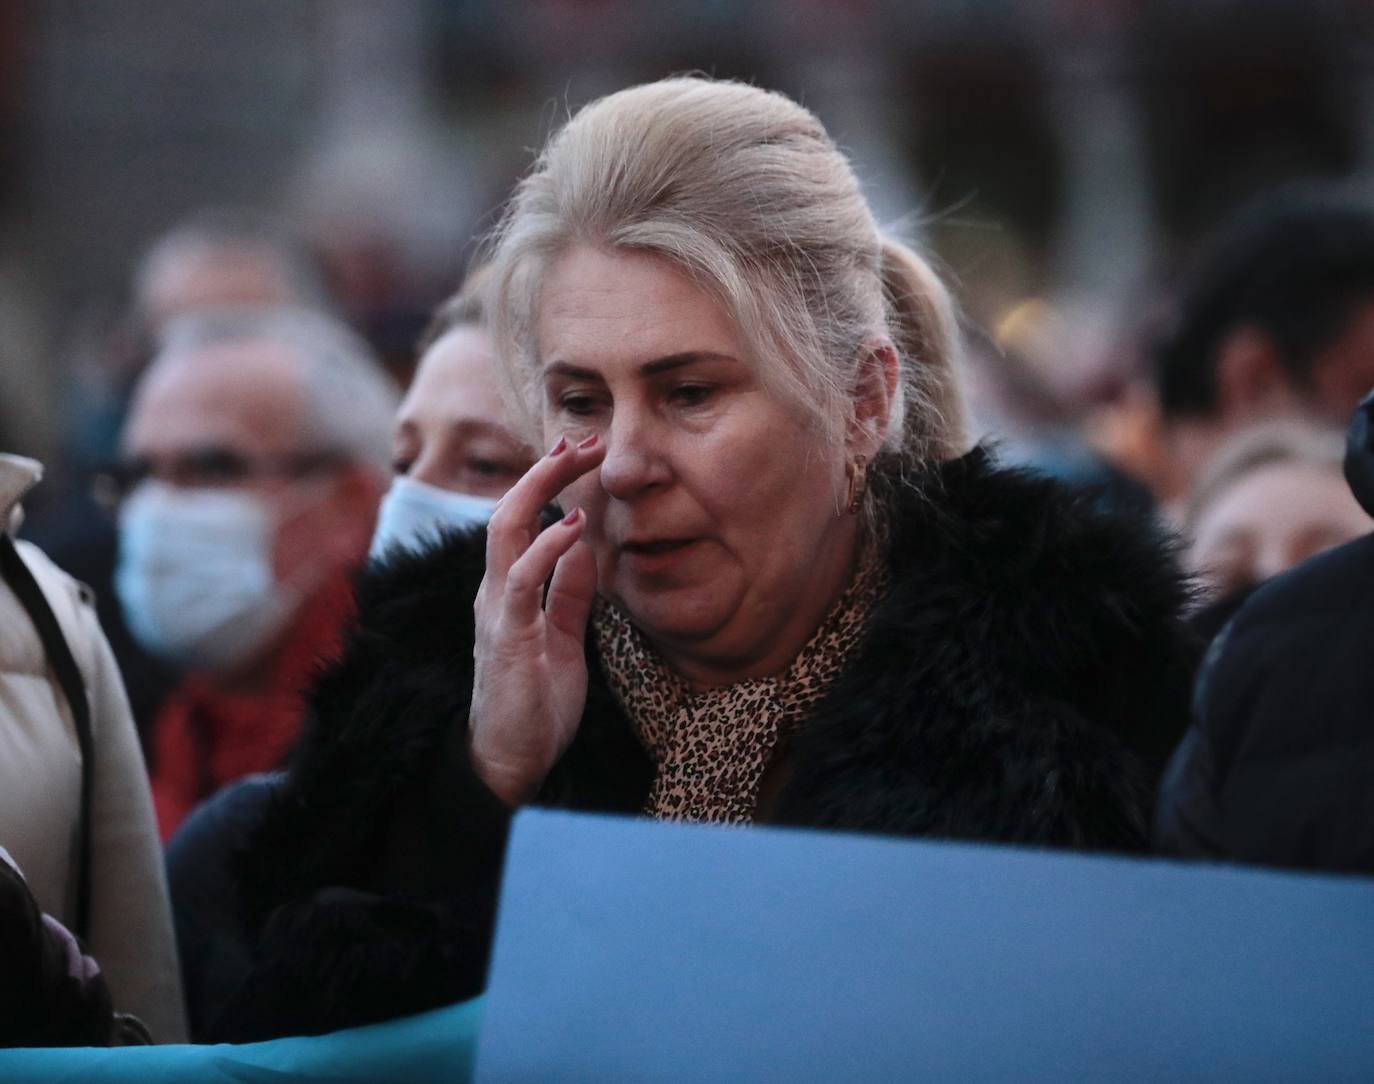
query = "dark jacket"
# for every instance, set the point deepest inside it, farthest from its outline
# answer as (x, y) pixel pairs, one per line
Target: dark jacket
(51, 993)
(1278, 768)
(1023, 681)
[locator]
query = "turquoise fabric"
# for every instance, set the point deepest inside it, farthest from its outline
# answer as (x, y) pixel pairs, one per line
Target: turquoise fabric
(434, 1046)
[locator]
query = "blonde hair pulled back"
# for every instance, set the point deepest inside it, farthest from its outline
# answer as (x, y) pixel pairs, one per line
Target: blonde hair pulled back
(743, 191)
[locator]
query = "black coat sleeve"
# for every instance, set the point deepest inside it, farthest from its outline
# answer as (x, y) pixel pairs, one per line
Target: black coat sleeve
(370, 884)
(213, 943)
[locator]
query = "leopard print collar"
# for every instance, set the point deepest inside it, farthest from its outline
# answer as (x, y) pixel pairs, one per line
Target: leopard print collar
(711, 749)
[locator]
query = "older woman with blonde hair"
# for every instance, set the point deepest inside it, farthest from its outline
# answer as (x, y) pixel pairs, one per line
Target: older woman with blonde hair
(778, 587)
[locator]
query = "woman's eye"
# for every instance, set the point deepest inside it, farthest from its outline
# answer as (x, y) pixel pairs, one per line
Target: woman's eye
(490, 468)
(578, 405)
(691, 395)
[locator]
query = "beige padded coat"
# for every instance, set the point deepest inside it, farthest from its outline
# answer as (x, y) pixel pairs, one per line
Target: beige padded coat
(40, 788)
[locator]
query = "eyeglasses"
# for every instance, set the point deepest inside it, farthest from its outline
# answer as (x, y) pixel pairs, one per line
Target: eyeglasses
(206, 468)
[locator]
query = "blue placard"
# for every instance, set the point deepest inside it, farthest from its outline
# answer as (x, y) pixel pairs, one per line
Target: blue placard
(628, 950)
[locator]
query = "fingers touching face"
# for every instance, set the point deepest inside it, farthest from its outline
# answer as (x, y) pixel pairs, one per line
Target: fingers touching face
(515, 523)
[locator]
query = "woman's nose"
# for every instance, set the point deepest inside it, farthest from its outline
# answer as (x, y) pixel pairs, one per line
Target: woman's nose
(634, 462)
(427, 467)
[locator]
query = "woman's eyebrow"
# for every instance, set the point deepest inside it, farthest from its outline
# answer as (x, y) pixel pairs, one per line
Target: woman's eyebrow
(677, 361)
(649, 368)
(481, 427)
(562, 368)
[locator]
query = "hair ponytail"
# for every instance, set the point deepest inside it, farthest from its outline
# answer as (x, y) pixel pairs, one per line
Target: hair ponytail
(925, 330)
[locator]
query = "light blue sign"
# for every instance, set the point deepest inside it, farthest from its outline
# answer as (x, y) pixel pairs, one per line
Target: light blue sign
(634, 951)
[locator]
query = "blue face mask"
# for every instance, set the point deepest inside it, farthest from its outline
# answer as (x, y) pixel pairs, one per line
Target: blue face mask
(413, 514)
(195, 576)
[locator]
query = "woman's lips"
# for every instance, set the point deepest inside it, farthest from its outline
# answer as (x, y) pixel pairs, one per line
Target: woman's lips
(656, 555)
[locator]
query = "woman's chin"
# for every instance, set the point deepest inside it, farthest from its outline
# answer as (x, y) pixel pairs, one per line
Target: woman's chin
(675, 618)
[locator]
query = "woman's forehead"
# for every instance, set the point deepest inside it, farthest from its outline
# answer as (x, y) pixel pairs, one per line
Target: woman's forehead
(457, 379)
(599, 306)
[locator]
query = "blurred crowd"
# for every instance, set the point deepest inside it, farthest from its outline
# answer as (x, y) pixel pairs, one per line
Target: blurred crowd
(241, 448)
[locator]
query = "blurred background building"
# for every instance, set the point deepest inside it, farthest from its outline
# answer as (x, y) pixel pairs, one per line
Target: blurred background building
(1060, 157)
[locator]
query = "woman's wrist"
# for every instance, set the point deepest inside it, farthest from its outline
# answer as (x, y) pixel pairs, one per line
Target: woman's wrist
(514, 784)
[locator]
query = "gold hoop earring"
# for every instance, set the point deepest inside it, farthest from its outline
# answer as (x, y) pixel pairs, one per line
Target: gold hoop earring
(858, 484)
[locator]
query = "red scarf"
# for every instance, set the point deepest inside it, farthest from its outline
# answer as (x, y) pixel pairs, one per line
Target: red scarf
(206, 736)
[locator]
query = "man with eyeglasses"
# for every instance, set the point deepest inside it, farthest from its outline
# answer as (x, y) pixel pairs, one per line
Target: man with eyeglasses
(255, 454)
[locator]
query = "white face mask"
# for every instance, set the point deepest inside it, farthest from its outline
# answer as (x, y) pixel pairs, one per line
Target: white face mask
(413, 514)
(195, 575)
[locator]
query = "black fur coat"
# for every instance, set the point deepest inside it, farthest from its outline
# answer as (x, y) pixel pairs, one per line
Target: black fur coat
(1023, 681)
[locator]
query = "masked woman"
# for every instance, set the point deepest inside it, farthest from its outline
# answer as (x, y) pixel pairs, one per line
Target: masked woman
(780, 586)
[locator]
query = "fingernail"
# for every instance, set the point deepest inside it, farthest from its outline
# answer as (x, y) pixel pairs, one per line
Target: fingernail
(571, 517)
(588, 443)
(559, 447)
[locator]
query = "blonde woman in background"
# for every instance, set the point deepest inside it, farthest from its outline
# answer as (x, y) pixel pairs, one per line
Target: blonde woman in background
(455, 449)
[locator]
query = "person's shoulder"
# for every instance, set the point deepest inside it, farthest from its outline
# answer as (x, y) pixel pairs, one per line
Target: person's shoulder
(1298, 613)
(72, 603)
(1023, 540)
(54, 581)
(1296, 651)
(1340, 580)
(404, 585)
(1049, 596)
(412, 636)
(227, 814)
(456, 555)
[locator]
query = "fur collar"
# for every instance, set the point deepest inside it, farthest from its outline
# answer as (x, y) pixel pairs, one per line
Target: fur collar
(1024, 681)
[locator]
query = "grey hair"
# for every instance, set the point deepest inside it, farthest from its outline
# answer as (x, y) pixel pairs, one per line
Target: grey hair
(350, 400)
(215, 229)
(743, 191)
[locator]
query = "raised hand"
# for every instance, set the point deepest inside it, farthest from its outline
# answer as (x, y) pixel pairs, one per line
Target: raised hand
(530, 677)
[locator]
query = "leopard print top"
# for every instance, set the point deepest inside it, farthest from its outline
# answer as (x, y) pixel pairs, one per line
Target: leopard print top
(711, 748)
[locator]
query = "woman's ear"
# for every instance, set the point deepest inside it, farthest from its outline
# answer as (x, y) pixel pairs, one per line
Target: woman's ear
(875, 389)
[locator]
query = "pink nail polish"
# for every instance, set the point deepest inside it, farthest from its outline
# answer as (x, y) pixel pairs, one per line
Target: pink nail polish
(559, 447)
(590, 442)
(571, 517)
